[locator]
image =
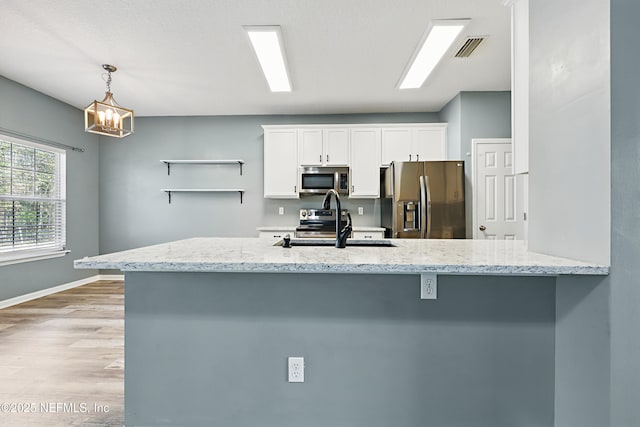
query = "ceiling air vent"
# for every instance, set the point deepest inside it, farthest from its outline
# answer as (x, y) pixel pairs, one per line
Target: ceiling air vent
(468, 47)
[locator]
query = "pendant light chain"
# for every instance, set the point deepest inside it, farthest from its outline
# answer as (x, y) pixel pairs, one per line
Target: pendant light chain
(109, 81)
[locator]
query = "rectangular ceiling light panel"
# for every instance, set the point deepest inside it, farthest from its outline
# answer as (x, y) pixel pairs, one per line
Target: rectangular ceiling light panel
(435, 43)
(268, 46)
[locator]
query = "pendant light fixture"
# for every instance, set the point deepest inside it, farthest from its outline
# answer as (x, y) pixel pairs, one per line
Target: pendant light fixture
(106, 117)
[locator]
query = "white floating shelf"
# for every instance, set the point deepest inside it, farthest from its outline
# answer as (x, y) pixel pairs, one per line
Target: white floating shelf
(203, 162)
(203, 190)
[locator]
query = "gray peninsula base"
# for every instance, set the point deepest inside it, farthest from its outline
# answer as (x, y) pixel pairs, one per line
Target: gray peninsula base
(210, 349)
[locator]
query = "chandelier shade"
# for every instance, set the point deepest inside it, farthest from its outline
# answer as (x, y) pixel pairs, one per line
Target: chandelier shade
(106, 117)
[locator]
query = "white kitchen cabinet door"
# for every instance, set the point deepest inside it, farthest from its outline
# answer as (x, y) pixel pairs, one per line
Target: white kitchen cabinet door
(278, 234)
(414, 143)
(281, 163)
(323, 147)
(336, 146)
(396, 145)
(365, 163)
(367, 235)
(311, 147)
(430, 143)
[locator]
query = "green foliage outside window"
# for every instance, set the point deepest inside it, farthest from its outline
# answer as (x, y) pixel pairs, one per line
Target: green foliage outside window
(28, 173)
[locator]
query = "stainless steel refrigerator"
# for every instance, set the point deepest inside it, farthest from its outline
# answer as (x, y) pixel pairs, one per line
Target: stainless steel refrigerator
(423, 200)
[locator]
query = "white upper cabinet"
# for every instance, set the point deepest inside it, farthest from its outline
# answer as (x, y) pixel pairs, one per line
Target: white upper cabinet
(430, 143)
(362, 148)
(365, 163)
(323, 147)
(396, 145)
(414, 143)
(336, 146)
(281, 163)
(310, 147)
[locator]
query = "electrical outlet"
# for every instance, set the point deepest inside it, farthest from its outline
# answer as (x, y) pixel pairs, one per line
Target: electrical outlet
(296, 369)
(281, 210)
(428, 286)
(360, 210)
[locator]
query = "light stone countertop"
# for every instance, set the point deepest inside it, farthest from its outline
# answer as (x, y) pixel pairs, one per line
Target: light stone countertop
(293, 227)
(217, 254)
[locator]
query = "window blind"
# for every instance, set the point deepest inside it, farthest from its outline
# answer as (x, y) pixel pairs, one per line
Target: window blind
(32, 196)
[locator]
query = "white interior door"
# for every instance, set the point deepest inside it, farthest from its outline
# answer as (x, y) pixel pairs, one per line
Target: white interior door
(498, 201)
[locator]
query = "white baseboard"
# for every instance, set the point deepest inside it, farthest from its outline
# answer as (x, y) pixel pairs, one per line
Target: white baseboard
(44, 292)
(111, 277)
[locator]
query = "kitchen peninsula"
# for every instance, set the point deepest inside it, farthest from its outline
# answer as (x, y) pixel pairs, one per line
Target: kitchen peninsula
(407, 256)
(210, 322)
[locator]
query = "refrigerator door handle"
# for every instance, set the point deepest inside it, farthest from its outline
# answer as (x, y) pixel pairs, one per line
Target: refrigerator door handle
(428, 192)
(423, 207)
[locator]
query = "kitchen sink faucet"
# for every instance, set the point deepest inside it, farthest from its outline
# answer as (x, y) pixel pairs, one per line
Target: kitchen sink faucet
(341, 235)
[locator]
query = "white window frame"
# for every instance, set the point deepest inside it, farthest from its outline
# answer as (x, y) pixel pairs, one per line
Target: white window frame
(39, 251)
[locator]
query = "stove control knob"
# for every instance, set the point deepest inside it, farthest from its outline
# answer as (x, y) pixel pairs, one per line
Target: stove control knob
(303, 214)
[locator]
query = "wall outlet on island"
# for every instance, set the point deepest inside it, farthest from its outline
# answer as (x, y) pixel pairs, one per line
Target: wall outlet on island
(428, 286)
(281, 210)
(360, 210)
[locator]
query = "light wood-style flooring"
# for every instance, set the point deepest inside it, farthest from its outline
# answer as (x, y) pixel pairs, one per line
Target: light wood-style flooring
(62, 359)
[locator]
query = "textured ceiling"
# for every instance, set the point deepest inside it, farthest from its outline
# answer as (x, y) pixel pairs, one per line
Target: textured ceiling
(193, 58)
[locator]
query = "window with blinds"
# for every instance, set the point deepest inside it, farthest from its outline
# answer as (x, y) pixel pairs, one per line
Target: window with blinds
(32, 196)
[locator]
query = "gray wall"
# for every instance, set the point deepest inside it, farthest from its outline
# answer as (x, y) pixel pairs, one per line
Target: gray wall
(451, 114)
(134, 212)
(569, 201)
(27, 111)
(475, 115)
(569, 174)
(376, 355)
(625, 230)
(582, 352)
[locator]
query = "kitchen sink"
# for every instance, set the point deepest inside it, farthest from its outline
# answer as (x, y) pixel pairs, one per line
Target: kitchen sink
(332, 242)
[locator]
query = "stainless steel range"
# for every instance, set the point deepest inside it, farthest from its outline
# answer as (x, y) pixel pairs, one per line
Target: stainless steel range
(318, 223)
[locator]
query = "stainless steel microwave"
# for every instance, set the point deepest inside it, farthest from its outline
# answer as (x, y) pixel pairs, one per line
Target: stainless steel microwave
(317, 180)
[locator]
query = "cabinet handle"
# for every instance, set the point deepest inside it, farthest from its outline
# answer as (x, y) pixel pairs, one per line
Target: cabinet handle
(417, 157)
(409, 157)
(327, 158)
(320, 158)
(295, 188)
(353, 188)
